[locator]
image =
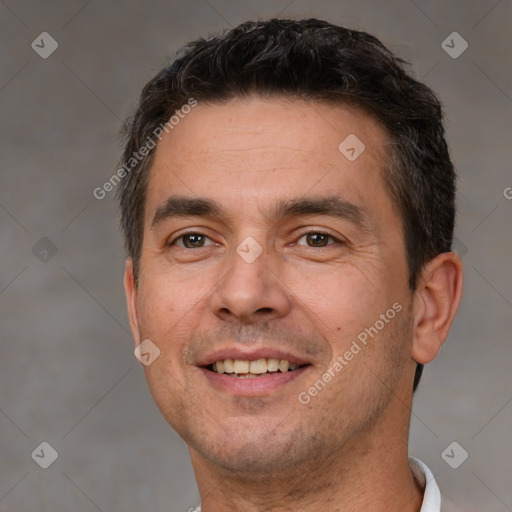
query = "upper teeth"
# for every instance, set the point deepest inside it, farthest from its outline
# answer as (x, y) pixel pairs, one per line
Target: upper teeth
(255, 367)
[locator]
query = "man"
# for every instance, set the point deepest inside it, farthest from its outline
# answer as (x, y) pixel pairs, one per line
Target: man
(288, 206)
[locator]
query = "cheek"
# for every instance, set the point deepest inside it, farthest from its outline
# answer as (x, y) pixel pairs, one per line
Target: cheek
(166, 302)
(344, 301)
(162, 319)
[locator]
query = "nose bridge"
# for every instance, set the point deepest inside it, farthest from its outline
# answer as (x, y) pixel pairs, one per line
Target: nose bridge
(250, 287)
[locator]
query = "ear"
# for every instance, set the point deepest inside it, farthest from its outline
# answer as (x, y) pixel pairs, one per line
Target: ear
(130, 290)
(436, 301)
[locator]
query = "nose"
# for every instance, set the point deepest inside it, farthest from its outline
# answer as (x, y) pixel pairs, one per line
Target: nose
(250, 292)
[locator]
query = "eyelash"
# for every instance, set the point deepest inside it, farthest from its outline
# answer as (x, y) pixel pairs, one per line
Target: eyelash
(323, 233)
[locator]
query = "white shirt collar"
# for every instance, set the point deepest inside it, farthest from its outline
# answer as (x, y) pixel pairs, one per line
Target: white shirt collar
(431, 495)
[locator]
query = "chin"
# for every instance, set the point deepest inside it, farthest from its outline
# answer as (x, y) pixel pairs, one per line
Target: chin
(257, 454)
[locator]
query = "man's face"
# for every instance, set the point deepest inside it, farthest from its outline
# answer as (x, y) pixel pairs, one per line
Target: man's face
(274, 273)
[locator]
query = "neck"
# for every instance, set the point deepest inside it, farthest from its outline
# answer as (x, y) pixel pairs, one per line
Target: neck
(370, 473)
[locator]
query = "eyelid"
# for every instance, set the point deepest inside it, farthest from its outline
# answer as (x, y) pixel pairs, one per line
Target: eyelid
(175, 238)
(319, 232)
(309, 231)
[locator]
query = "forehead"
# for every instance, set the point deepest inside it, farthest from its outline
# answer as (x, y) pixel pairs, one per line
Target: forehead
(253, 149)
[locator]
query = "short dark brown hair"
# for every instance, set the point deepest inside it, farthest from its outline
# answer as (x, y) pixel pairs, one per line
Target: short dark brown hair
(313, 60)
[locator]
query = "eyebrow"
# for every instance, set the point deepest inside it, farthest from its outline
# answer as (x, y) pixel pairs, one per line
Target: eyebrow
(331, 206)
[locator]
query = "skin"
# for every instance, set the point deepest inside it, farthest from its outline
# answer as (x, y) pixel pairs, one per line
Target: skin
(346, 450)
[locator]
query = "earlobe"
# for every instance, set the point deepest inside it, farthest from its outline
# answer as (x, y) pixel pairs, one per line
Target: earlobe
(436, 301)
(131, 300)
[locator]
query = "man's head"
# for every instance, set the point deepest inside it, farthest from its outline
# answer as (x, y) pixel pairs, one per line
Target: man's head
(314, 183)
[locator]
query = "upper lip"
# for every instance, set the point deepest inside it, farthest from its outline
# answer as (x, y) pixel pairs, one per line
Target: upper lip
(250, 355)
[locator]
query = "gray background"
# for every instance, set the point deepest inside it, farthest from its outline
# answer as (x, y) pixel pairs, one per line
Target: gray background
(67, 371)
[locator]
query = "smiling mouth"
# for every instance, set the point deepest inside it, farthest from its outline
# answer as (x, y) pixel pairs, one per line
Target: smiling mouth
(253, 369)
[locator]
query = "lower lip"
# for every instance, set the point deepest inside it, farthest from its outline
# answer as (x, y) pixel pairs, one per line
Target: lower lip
(252, 386)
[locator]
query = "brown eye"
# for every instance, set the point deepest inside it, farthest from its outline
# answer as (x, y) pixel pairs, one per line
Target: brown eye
(190, 241)
(317, 239)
